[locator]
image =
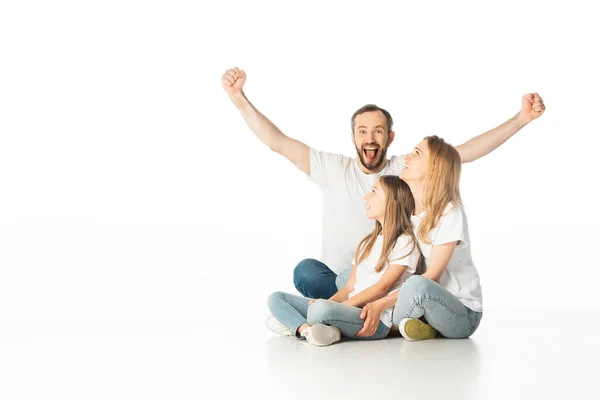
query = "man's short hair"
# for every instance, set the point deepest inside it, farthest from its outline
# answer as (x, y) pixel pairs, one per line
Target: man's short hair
(370, 108)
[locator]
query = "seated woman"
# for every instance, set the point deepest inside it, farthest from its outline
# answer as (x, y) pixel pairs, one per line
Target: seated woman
(447, 297)
(383, 261)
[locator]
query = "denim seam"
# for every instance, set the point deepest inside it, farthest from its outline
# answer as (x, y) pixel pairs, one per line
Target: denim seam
(333, 321)
(430, 298)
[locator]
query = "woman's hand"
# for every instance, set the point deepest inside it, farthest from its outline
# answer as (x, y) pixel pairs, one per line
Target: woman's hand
(312, 301)
(371, 314)
(532, 106)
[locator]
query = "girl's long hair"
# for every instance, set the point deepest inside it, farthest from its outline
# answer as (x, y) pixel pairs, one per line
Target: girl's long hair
(442, 185)
(399, 206)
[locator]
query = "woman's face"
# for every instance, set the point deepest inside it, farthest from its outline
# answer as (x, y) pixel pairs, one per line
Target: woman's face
(416, 164)
(375, 202)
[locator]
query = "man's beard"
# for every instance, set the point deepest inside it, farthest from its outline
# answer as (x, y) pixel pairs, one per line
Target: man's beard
(374, 164)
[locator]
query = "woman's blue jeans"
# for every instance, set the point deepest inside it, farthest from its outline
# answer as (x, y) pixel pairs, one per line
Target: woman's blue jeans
(422, 297)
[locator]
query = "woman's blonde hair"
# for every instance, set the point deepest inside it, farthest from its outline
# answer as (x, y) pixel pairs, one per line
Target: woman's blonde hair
(399, 206)
(442, 185)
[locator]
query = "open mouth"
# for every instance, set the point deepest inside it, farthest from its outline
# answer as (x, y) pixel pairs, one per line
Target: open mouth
(370, 153)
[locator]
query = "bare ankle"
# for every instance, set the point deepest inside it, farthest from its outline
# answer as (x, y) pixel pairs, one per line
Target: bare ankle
(301, 328)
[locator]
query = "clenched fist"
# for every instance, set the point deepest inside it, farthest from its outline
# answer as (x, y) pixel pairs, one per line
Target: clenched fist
(233, 79)
(532, 107)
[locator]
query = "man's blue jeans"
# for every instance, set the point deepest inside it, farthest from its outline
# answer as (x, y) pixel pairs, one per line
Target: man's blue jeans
(315, 280)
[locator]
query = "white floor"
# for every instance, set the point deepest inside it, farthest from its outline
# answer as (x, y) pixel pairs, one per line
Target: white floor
(143, 225)
(508, 358)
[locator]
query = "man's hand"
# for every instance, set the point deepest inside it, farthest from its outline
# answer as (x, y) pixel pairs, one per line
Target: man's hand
(233, 81)
(532, 107)
(371, 314)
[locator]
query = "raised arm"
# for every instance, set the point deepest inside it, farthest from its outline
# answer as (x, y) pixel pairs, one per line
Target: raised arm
(297, 152)
(532, 107)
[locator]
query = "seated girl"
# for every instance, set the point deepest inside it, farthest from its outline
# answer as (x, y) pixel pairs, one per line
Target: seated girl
(383, 261)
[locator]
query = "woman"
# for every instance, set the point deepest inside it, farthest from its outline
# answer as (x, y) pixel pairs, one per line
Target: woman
(384, 260)
(448, 295)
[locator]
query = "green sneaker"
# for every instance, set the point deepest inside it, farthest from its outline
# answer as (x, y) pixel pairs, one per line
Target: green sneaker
(413, 329)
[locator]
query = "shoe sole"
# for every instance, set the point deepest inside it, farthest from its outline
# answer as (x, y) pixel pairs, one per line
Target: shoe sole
(417, 330)
(329, 334)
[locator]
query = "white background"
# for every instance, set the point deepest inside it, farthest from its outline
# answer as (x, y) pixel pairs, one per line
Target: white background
(142, 223)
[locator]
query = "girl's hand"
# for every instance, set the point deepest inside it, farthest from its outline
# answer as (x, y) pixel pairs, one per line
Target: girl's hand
(371, 314)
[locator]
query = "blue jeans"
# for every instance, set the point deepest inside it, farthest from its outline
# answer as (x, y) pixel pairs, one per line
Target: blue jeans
(315, 280)
(293, 311)
(422, 297)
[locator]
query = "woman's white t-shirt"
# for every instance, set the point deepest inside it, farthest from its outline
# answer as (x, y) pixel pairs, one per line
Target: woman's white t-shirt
(402, 254)
(460, 276)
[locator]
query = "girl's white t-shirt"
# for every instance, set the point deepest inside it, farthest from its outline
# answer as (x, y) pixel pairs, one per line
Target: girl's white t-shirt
(402, 254)
(460, 277)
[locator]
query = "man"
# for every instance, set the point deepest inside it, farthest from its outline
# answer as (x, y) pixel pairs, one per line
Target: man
(344, 181)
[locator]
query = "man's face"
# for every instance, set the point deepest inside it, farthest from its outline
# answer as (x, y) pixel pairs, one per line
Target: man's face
(371, 139)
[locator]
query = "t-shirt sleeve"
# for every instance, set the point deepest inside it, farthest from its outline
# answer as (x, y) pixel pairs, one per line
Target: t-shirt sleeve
(325, 166)
(403, 253)
(396, 164)
(452, 228)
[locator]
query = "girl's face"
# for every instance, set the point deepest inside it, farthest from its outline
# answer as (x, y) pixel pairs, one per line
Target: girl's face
(416, 164)
(376, 202)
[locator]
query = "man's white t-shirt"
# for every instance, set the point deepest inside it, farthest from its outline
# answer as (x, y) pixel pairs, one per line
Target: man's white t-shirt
(460, 277)
(405, 252)
(344, 187)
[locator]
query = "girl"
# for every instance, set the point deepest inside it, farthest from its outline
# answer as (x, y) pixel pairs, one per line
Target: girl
(448, 295)
(383, 261)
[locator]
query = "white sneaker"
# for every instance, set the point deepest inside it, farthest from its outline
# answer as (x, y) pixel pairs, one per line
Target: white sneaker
(323, 335)
(277, 327)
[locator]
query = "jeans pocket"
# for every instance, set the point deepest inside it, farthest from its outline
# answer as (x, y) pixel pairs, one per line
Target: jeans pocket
(475, 318)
